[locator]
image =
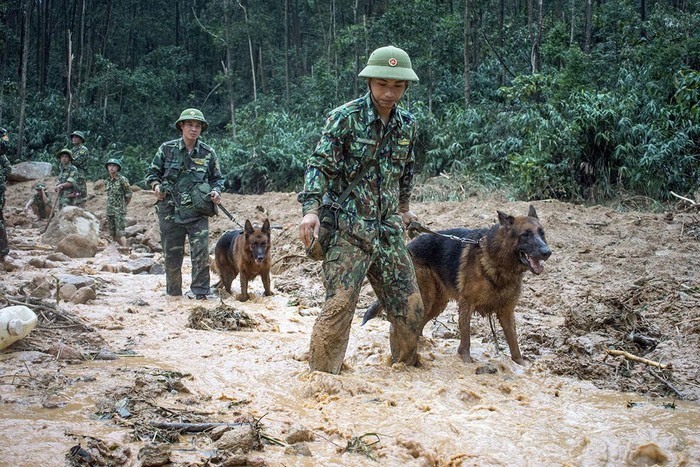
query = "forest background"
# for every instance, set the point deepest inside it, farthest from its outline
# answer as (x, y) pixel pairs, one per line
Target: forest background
(579, 100)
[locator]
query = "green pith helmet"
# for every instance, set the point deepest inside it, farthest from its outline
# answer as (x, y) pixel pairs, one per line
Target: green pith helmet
(79, 134)
(115, 162)
(64, 151)
(192, 114)
(389, 63)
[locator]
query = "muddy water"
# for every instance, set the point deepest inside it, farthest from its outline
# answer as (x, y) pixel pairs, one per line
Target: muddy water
(441, 413)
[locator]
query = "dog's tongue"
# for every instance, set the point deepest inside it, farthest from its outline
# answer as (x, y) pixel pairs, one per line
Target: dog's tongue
(536, 265)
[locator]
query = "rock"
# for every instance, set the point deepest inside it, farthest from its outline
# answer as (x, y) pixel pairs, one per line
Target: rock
(300, 449)
(42, 263)
(77, 281)
(25, 171)
(75, 246)
(299, 434)
(58, 256)
(157, 269)
(99, 185)
(73, 220)
(42, 290)
(139, 265)
(83, 295)
(64, 352)
(133, 230)
(67, 291)
(241, 437)
(154, 454)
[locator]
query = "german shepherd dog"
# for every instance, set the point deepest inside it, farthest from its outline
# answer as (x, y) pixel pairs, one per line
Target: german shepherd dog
(484, 277)
(247, 253)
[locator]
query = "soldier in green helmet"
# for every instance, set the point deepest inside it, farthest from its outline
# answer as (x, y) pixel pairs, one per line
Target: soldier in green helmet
(118, 191)
(40, 202)
(81, 161)
(356, 192)
(5, 169)
(66, 188)
(182, 172)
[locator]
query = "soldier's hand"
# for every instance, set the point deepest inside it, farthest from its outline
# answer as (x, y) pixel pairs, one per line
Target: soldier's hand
(408, 217)
(215, 197)
(309, 228)
(159, 194)
(58, 188)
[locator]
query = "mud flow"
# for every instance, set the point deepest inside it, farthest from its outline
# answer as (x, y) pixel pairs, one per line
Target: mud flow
(610, 331)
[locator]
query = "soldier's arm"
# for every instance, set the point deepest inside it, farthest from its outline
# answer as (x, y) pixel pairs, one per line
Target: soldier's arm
(215, 177)
(154, 172)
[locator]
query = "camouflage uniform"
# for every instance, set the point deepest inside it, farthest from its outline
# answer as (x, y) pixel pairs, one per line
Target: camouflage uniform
(39, 206)
(118, 196)
(176, 221)
(5, 169)
(81, 161)
(68, 196)
(368, 240)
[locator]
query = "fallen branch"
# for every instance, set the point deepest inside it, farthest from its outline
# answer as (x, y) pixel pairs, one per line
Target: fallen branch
(635, 358)
(669, 385)
(192, 427)
(683, 198)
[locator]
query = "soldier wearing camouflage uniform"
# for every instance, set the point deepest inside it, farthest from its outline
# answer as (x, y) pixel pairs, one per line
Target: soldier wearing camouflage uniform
(179, 164)
(81, 161)
(40, 202)
(5, 169)
(118, 191)
(68, 194)
(366, 233)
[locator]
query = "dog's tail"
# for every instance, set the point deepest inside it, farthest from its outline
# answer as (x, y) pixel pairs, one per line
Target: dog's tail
(373, 310)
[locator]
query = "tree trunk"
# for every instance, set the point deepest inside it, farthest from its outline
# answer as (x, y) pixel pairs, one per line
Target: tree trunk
(286, 53)
(467, 50)
(588, 17)
(23, 83)
(252, 60)
(81, 53)
(501, 25)
(573, 20)
(535, 58)
(105, 28)
(69, 93)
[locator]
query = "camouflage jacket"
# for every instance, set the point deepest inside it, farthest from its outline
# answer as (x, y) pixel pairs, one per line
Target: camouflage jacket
(5, 169)
(175, 170)
(353, 135)
(81, 158)
(68, 173)
(118, 195)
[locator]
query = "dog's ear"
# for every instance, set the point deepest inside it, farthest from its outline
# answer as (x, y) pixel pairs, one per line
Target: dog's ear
(266, 226)
(531, 212)
(504, 219)
(248, 227)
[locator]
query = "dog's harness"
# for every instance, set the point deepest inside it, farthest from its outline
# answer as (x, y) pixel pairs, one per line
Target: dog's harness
(416, 226)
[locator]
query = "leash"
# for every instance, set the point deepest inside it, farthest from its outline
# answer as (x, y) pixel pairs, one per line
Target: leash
(418, 227)
(230, 216)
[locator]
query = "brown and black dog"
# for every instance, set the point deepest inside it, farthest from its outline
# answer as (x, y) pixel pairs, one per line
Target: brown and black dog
(485, 277)
(247, 253)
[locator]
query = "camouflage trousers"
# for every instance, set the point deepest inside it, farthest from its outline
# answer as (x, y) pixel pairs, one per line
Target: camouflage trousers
(116, 225)
(172, 237)
(388, 266)
(66, 200)
(4, 245)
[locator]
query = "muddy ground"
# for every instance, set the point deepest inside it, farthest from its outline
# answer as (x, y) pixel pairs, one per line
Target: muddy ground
(128, 377)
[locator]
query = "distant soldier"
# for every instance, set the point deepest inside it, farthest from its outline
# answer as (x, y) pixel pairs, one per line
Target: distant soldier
(118, 197)
(66, 188)
(40, 202)
(5, 169)
(81, 161)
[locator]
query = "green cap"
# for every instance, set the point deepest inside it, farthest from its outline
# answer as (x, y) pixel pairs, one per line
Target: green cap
(115, 162)
(389, 63)
(192, 114)
(79, 134)
(64, 151)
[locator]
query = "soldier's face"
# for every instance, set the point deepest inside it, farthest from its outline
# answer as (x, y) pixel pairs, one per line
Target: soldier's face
(112, 168)
(76, 140)
(386, 93)
(191, 129)
(65, 159)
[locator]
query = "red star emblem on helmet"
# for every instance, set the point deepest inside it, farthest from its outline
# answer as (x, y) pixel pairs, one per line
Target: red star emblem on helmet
(393, 62)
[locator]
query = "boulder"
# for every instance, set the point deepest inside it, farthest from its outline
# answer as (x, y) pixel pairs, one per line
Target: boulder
(76, 246)
(72, 220)
(26, 171)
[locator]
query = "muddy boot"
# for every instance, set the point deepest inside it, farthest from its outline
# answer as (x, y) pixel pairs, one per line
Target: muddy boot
(331, 334)
(405, 331)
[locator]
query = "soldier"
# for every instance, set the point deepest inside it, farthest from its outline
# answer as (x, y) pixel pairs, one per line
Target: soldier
(81, 161)
(118, 197)
(40, 202)
(5, 169)
(180, 170)
(359, 181)
(68, 194)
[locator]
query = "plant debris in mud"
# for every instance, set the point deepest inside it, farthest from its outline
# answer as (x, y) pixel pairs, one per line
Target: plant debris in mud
(223, 317)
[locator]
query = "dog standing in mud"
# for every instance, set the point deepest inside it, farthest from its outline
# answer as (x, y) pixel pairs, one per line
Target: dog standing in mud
(245, 253)
(484, 276)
